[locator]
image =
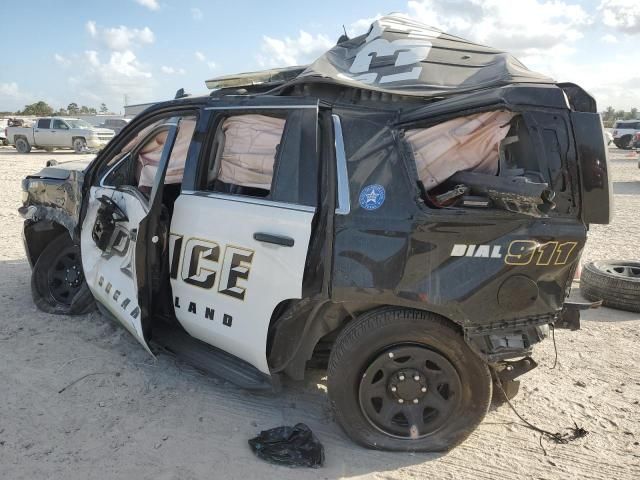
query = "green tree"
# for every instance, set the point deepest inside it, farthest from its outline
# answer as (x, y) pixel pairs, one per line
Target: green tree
(39, 109)
(609, 113)
(634, 113)
(73, 109)
(103, 108)
(620, 115)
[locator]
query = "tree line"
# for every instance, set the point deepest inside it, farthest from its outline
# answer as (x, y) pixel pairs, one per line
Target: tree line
(610, 115)
(43, 109)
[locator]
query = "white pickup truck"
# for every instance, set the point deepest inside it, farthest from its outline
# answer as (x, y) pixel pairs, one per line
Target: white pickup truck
(57, 132)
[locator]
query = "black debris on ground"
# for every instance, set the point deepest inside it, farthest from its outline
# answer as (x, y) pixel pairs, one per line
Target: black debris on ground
(290, 446)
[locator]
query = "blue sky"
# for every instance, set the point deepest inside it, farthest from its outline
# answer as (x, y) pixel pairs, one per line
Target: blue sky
(93, 52)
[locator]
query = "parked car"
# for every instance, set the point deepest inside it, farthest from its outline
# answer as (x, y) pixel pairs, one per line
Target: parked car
(58, 132)
(624, 131)
(411, 222)
(115, 124)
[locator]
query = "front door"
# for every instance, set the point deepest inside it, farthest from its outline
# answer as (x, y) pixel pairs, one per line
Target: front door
(119, 233)
(239, 239)
(59, 136)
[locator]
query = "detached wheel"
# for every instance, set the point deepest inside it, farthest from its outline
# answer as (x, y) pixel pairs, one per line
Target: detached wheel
(57, 281)
(79, 145)
(405, 380)
(22, 145)
(615, 282)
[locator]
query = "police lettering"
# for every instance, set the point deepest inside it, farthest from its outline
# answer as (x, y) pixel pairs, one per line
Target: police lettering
(201, 265)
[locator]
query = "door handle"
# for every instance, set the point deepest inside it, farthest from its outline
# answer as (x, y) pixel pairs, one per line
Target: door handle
(275, 239)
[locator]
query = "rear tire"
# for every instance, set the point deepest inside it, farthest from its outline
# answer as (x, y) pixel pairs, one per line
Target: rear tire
(615, 282)
(393, 353)
(22, 145)
(57, 282)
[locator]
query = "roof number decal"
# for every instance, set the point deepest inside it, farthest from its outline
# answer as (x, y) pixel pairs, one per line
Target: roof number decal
(372, 197)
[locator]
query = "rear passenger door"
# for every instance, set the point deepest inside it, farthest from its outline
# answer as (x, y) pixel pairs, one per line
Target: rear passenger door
(240, 233)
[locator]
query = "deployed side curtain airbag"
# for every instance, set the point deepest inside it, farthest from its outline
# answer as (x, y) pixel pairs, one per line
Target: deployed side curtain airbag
(249, 152)
(149, 156)
(468, 143)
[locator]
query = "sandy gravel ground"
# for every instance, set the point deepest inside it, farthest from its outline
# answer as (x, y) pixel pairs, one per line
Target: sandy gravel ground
(136, 418)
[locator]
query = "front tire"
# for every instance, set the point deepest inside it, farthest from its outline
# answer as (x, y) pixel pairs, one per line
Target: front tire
(405, 380)
(22, 145)
(79, 145)
(58, 285)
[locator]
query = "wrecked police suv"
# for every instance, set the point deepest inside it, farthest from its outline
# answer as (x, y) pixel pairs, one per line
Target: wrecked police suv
(411, 206)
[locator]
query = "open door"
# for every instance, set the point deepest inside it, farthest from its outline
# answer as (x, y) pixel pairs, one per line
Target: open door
(120, 232)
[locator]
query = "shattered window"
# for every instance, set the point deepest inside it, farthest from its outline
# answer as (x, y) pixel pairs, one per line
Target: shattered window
(468, 143)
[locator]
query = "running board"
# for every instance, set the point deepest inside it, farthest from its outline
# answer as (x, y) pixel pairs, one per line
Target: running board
(210, 359)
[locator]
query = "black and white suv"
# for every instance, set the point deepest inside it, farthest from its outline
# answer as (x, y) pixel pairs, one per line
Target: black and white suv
(422, 225)
(624, 132)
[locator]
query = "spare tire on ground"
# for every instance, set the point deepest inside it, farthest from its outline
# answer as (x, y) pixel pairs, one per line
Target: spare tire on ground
(615, 282)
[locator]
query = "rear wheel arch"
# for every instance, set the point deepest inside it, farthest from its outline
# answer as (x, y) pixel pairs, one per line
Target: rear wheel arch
(324, 323)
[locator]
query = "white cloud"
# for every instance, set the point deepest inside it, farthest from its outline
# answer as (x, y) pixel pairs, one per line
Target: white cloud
(203, 58)
(172, 71)
(9, 89)
(623, 15)
(108, 78)
(361, 26)
(120, 38)
(521, 27)
(62, 60)
(288, 51)
(150, 4)
(608, 38)
(91, 28)
(196, 13)
(13, 98)
(611, 82)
